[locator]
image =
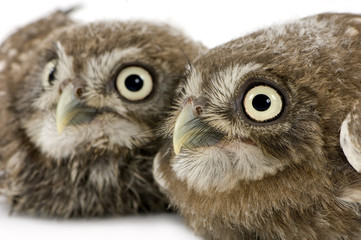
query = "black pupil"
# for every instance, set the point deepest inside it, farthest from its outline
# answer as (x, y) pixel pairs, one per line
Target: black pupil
(261, 102)
(51, 77)
(134, 83)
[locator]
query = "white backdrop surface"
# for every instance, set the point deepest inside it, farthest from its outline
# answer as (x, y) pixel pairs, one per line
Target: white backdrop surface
(211, 22)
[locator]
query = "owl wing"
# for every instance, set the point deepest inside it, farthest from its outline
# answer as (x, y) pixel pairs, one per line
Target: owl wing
(350, 138)
(15, 52)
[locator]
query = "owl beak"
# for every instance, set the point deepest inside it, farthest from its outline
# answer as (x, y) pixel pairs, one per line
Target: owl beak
(71, 110)
(191, 132)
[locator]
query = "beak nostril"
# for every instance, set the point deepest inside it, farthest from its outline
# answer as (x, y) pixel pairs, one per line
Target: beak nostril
(79, 92)
(199, 104)
(77, 85)
(199, 110)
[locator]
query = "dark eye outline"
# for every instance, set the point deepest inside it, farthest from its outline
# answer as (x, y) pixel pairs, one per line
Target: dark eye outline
(154, 75)
(51, 76)
(49, 73)
(249, 85)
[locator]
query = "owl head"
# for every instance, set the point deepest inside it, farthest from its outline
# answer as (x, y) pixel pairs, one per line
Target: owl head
(80, 106)
(247, 111)
(103, 85)
(252, 147)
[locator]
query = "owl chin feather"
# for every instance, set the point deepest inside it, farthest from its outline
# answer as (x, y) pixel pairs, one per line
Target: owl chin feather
(221, 167)
(252, 149)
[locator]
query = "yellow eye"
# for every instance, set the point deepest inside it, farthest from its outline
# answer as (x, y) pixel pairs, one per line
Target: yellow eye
(263, 103)
(134, 83)
(48, 75)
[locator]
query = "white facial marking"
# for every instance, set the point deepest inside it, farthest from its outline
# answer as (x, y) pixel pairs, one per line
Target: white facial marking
(104, 132)
(231, 76)
(64, 71)
(101, 67)
(65, 63)
(226, 84)
(193, 86)
(221, 167)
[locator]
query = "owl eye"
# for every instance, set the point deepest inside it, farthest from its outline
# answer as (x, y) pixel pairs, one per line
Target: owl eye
(134, 83)
(48, 75)
(263, 103)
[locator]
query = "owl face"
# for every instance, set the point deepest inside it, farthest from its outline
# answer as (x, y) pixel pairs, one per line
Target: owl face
(249, 108)
(101, 85)
(225, 133)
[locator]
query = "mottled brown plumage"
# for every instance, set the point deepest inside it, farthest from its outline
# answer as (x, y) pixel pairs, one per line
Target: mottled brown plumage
(257, 135)
(79, 105)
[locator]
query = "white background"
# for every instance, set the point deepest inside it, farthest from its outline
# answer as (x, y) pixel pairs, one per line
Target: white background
(213, 23)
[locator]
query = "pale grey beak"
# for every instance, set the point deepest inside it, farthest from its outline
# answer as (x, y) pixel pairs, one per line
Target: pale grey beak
(71, 110)
(191, 132)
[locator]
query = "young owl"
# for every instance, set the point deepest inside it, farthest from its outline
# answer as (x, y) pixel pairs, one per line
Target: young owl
(254, 148)
(79, 105)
